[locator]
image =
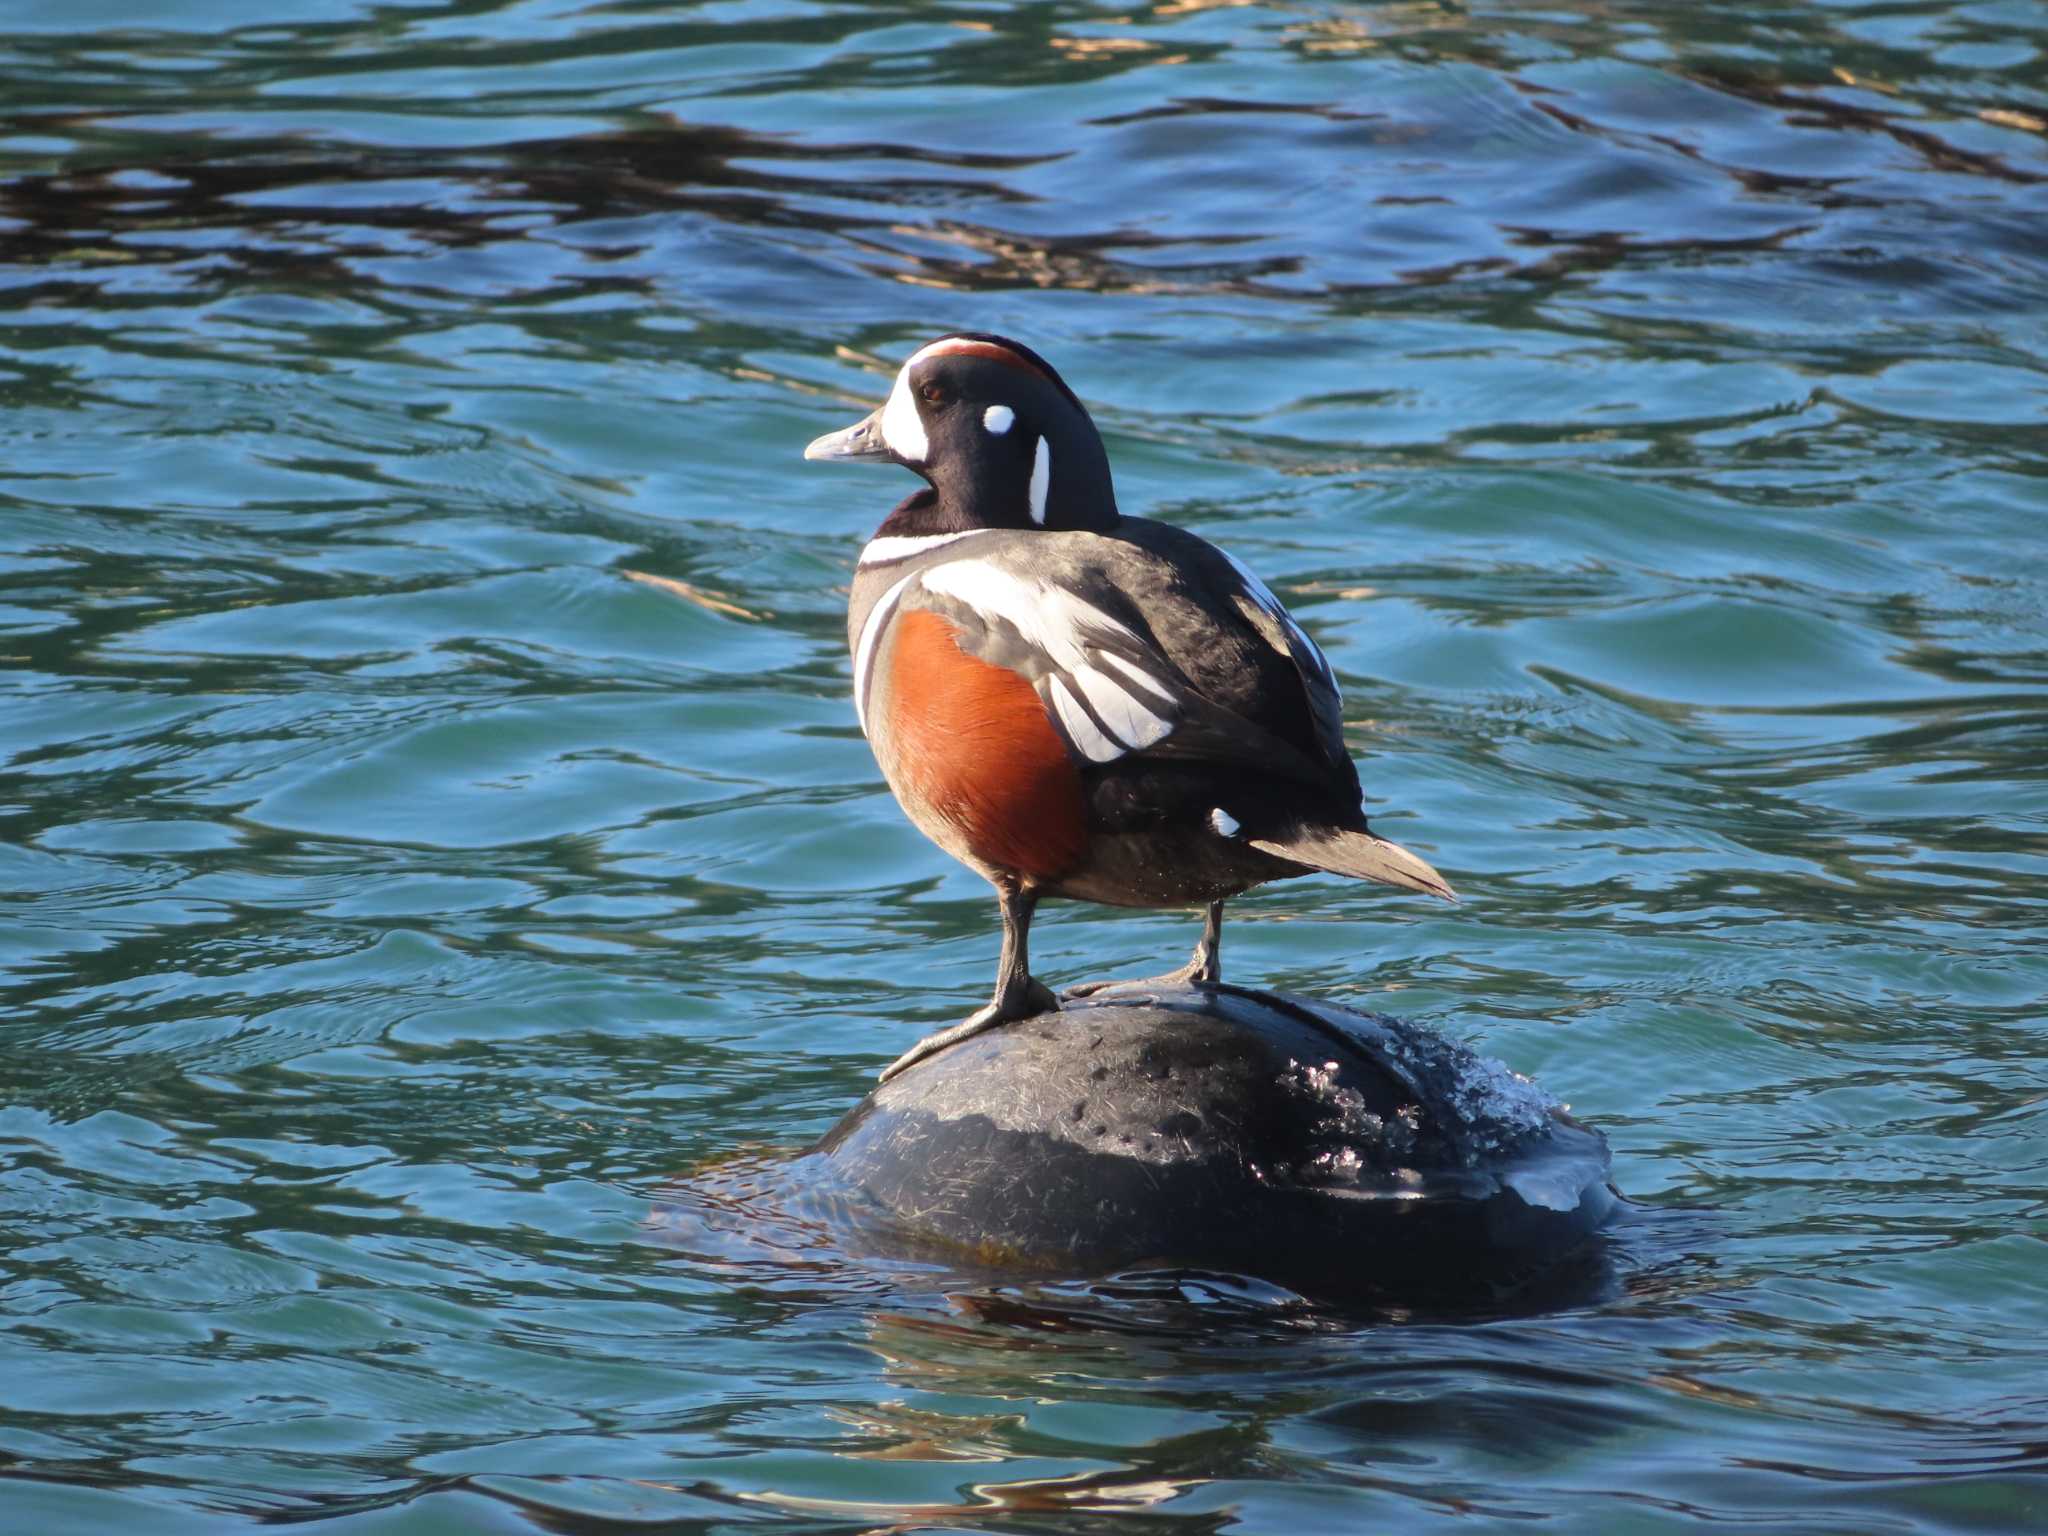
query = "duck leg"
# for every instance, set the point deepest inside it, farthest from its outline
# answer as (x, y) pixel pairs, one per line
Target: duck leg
(1019, 994)
(1204, 967)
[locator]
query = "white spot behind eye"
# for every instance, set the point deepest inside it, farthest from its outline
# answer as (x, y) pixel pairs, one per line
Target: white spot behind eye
(902, 428)
(1041, 480)
(1223, 822)
(998, 419)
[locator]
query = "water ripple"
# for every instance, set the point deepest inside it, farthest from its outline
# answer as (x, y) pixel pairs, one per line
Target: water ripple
(444, 883)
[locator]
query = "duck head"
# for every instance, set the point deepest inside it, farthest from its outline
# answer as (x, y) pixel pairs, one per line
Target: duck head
(996, 433)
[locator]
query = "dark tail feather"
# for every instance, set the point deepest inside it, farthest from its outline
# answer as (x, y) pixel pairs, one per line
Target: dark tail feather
(1360, 855)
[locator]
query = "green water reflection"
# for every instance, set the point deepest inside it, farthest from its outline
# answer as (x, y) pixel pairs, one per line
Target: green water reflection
(1643, 405)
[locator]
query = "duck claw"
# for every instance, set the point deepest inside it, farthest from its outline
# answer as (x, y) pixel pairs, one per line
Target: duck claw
(1189, 975)
(1025, 1002)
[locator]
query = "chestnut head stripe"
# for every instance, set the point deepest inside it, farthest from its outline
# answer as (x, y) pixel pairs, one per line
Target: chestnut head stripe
(972, 346)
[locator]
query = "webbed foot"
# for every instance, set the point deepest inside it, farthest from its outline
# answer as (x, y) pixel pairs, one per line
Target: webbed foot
(1033, 997)
(1204, 967)
(1189, 975)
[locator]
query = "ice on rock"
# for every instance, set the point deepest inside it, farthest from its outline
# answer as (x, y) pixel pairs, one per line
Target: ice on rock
(1493, 1108)
(1457, 1113)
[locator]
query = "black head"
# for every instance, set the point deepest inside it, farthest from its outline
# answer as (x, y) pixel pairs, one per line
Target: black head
(1003, 441)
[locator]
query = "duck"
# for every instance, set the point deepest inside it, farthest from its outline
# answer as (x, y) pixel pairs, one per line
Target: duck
(1073, 702)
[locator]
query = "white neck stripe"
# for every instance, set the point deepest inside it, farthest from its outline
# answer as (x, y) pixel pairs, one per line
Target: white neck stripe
(864, 653)
(1041, 480)
(899, 546)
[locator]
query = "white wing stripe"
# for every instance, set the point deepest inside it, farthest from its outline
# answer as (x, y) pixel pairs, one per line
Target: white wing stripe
(1314, 652)
(1082, 731)
(1125, 716)
(1048, 617)
(864, 654)
(1134, 710)
(1261, 593)
(1150, 692)
(1297, 637)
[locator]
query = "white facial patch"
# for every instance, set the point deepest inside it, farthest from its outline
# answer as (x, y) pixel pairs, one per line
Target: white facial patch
(902, 427)
(1223, 823)
(998, 419)
(1041, 480)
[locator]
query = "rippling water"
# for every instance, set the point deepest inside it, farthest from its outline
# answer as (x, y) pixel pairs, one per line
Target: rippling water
(1644, 405)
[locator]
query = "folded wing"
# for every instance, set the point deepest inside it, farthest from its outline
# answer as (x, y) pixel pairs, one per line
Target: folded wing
(1110, 687)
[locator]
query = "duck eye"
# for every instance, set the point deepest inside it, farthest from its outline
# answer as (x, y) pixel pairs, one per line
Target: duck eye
(935, 393)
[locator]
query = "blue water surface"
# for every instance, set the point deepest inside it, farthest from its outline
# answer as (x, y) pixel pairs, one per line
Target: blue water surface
(421, 932)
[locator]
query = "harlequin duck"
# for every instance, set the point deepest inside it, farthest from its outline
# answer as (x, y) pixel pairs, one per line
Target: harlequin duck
(1077, 703)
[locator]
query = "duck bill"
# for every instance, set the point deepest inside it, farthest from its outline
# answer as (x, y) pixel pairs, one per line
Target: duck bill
(862, 440)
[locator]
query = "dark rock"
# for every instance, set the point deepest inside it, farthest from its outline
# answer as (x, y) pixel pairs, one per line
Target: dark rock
(1299, 1142)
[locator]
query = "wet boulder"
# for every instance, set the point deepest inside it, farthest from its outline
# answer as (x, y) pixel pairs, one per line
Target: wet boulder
(1269, 1135)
